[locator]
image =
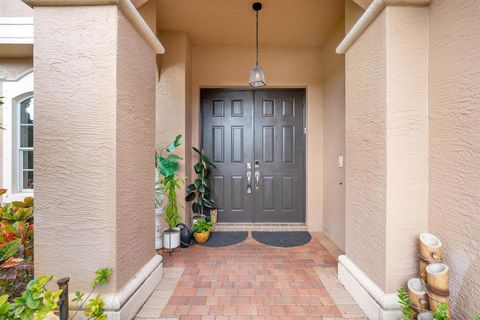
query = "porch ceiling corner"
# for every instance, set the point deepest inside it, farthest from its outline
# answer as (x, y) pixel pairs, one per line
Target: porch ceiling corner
(127, 8)
(370, 15)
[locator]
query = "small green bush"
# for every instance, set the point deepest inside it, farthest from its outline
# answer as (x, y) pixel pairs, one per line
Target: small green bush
(201, 226)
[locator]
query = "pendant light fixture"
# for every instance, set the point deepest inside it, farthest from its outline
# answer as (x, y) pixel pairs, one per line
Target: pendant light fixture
(257, 77)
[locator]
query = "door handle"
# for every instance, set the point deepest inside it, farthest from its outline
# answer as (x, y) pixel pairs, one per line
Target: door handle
(249, 176)
(257, 180)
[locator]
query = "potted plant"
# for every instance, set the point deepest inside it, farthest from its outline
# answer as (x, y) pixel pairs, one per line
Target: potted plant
(199, 190)
(201, 229)
(168, 165)
(159, 196)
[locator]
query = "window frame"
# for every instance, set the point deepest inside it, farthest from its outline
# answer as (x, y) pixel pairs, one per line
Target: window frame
(14, 92)
(19, 172)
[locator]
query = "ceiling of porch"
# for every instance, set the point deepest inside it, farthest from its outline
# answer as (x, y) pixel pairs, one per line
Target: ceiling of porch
(232, 22)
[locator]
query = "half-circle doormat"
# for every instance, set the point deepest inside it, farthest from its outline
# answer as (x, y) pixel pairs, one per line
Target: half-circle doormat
(285, 239)
(225, 239)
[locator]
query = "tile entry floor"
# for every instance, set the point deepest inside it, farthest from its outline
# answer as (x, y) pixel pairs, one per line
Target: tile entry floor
(250, 281)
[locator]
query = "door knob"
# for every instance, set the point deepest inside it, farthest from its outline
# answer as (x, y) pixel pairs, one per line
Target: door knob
(257, 180)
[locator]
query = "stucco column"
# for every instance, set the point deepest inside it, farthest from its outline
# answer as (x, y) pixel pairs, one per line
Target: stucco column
(173, 106)
(386, 152)
(94, 147)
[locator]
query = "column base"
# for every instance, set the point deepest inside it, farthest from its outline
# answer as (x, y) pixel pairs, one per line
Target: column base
(126, 303)
(376, 304)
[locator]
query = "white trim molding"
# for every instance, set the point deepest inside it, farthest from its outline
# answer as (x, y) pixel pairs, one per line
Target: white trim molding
(372, 12)
(126, 6)
(126, 303)
(376, 304)
(16, 30)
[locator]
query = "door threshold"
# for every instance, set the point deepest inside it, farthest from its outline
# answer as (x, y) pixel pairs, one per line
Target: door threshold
(260, 227)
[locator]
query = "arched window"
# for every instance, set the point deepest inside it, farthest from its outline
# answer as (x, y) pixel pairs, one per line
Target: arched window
(18, 121)
(25, 145)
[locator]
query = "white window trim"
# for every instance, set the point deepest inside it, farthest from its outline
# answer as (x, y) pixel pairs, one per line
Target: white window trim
(13, 92)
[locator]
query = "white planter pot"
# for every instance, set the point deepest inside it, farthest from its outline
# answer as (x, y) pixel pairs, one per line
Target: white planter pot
(425, 316)
(158, 229)
(171, 240)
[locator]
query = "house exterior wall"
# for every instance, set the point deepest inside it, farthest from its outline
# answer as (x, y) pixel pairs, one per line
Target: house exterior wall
(172, 102)
(285, 67)
(14, 8)
(85, 163)
(135, 127)
(454, 113)
(365, 172)
(406, 141)
(94, 144)
(387, 142)
(352, 13)
(334, 139)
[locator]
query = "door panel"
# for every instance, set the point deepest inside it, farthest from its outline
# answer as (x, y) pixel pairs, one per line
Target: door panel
(278, 125)
(227, 139)
(263, 128)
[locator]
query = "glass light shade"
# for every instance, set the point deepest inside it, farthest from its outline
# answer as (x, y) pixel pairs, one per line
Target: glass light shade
(257, 78)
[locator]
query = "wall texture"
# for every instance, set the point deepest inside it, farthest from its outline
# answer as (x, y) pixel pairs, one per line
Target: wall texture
(406, 140)
(94, 144)
(135, 140)
(287, 67)
(14, 8)
(334, 139)
(454, 112)
(75, 148)
(365, 172)
(173, 91)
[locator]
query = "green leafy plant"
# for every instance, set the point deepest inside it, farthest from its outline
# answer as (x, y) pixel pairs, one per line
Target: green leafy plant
(201, 226)
(16, 246)
(405, 305)
(95, 306)
(199, 190)
(34, 303)
(441, 313)
(167, 166)
(477, 317)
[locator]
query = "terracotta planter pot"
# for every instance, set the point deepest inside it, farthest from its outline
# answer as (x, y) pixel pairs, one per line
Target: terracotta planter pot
(201, 237)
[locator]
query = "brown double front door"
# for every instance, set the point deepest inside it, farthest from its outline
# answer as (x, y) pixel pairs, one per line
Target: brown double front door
(256, 139)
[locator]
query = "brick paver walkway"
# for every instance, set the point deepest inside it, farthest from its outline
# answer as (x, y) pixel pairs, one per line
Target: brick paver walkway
(247, 281)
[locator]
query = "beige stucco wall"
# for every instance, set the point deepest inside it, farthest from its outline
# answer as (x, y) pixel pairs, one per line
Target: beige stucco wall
(365, 160)
(14, 8)
(173, 90)
(285, 67)
(454, 112)
(334, 139)
(387, 142)
(406, 140)
(135, 147)
(93, 145)
(352, 13)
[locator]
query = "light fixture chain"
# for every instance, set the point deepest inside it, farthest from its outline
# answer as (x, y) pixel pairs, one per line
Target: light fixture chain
(257, 38)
